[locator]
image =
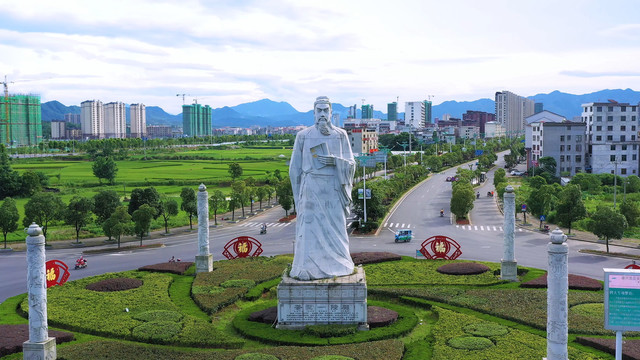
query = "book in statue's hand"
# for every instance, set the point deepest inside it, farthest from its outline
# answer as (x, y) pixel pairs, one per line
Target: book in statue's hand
(320, 149)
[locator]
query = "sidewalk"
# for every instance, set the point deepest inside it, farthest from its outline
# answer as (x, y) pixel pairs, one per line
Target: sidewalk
(159, 234)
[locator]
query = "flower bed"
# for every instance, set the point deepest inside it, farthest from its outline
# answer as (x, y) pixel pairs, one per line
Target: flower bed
(115, 314)
(371, 257)
(576, 282)
(424, 272)
(14, 335)
(178, 267)
(527, 306)
(463, 268)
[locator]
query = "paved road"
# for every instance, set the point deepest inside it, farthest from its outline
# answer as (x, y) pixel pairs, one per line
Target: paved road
(419, 211)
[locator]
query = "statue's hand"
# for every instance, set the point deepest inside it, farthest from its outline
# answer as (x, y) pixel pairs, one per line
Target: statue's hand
(327, 159)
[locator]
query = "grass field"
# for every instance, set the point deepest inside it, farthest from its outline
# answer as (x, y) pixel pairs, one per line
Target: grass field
(209, 166)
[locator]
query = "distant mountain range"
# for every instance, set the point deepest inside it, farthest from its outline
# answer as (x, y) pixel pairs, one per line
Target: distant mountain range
(266, 112)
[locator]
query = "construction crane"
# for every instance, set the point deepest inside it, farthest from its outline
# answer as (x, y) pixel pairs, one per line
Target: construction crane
(183, 95)
(430, 96)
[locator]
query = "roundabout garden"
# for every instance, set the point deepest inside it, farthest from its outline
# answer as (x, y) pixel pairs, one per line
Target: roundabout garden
(418, 309)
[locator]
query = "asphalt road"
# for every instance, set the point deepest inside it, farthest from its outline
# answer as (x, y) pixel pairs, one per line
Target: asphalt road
(419, 211)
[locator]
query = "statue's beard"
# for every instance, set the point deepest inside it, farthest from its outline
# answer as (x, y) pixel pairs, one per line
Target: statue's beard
(324, 126)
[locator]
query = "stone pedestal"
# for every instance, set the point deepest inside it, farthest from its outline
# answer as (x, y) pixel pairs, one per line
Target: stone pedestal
(204, 263)
(509, 265)
(557, 301)
(339, 300)
(45, 350)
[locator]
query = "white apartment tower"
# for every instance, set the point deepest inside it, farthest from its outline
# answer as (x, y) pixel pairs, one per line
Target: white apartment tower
(115, 120)
(414, 114)
(511, 110)
(138, 118)
(92, 119)
(612, 137)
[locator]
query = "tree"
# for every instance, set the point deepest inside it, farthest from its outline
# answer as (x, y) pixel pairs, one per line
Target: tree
(8, 218)
(499, 176)
(149, 196)
(169, 208)
(540, 201)
(43, 208)
(78, 213)
(10, 180)
(570, 206)
(286, 202)
(118, 224)
(217, 202)
(105, 204)
(142, 219)
(105, 168)
(235, 170)
(462, 197)
(239, 193)
(631, 212)
(189, 203)
(30, 183)
(261, 193)
(548, 164)
(537, 181)
(608, 224)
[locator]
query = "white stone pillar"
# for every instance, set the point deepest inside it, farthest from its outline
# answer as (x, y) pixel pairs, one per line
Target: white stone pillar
(557, 289)
(509, 265)
(39, 345)
(204, 260)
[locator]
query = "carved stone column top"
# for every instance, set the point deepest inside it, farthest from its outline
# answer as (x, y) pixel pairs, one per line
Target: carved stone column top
(202, 187)
(558, 237)
(35, 234)
(508, 189)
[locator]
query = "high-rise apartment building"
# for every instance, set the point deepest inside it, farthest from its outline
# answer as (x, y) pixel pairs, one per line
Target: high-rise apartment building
(511, 110)
(367, 111)
(612, 137)
(20, 120)
(428, 114)
(58, 129)
(115, 120)
(414, 114)
(196, 120)
(72, 118)
(138, 120)
(479, 119)
(92, 119)
(392, 111)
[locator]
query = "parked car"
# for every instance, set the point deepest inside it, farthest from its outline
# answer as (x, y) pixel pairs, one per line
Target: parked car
(517, 173)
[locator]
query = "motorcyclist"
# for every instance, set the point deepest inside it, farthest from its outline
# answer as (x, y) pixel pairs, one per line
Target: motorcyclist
(478, 195)
(441, 212)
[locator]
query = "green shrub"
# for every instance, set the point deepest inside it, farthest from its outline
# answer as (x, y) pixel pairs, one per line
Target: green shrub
(211, 303)
(156, 331)
(206, 289)
(238, 283)
(255, 356)
(470, 343)
(590, 309)
(257, 291)
(332, 357)
(486, 329)
(424, 272)
(159, 315)
(330, 330)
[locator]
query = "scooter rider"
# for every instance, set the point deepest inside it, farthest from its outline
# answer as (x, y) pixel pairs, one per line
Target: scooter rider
(441, 212)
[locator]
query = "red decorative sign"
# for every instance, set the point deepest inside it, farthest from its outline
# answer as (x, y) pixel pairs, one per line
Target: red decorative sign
(57, 273)
(440, 247)
(242, 247)
(632, 266)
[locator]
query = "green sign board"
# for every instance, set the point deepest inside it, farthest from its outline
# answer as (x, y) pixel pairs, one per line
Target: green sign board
(622, 299)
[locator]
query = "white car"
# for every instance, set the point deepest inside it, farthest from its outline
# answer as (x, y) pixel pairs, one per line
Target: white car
(517, 173)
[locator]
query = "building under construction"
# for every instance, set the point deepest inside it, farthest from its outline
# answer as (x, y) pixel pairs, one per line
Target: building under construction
(196, 120)
(20, 120)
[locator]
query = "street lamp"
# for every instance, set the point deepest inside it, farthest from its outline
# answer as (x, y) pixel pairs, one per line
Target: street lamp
(615, 180)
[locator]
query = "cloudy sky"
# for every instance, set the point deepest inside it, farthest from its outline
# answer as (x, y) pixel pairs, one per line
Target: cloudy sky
(237, 51)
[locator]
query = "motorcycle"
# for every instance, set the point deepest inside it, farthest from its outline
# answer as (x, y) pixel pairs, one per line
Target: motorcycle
(545, 229)
(173, 259)
(263, 230)
(490, 194)
(81, 263)
(441, 213)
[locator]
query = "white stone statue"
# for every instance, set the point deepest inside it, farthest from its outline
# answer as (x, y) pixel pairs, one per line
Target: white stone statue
(321, 172)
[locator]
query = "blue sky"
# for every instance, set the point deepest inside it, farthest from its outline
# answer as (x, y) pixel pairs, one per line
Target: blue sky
(230, 52)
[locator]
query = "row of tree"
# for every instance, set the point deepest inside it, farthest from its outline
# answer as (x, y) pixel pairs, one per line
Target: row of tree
(14, 184)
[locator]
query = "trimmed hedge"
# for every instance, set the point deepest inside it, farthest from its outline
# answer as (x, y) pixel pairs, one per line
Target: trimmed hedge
(470, 343)
(116, 284)
(373, 257)
(257, 291)
(178, 267)
(463, 268)
(407, 320)
(576, 282)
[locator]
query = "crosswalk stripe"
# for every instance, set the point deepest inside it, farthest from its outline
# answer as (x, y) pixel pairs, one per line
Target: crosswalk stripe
(481, 227)
(385, 224)
(501, 228)
(403, 225)
(475, 227)
(494, 228)
(391, 225)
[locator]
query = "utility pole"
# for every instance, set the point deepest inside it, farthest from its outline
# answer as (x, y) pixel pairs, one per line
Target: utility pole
(615, 180)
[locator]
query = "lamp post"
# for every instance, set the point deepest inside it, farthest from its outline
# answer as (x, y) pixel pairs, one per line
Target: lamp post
(615, 180)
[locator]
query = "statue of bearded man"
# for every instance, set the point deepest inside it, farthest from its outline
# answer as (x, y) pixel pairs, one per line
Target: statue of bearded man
(321, 172)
